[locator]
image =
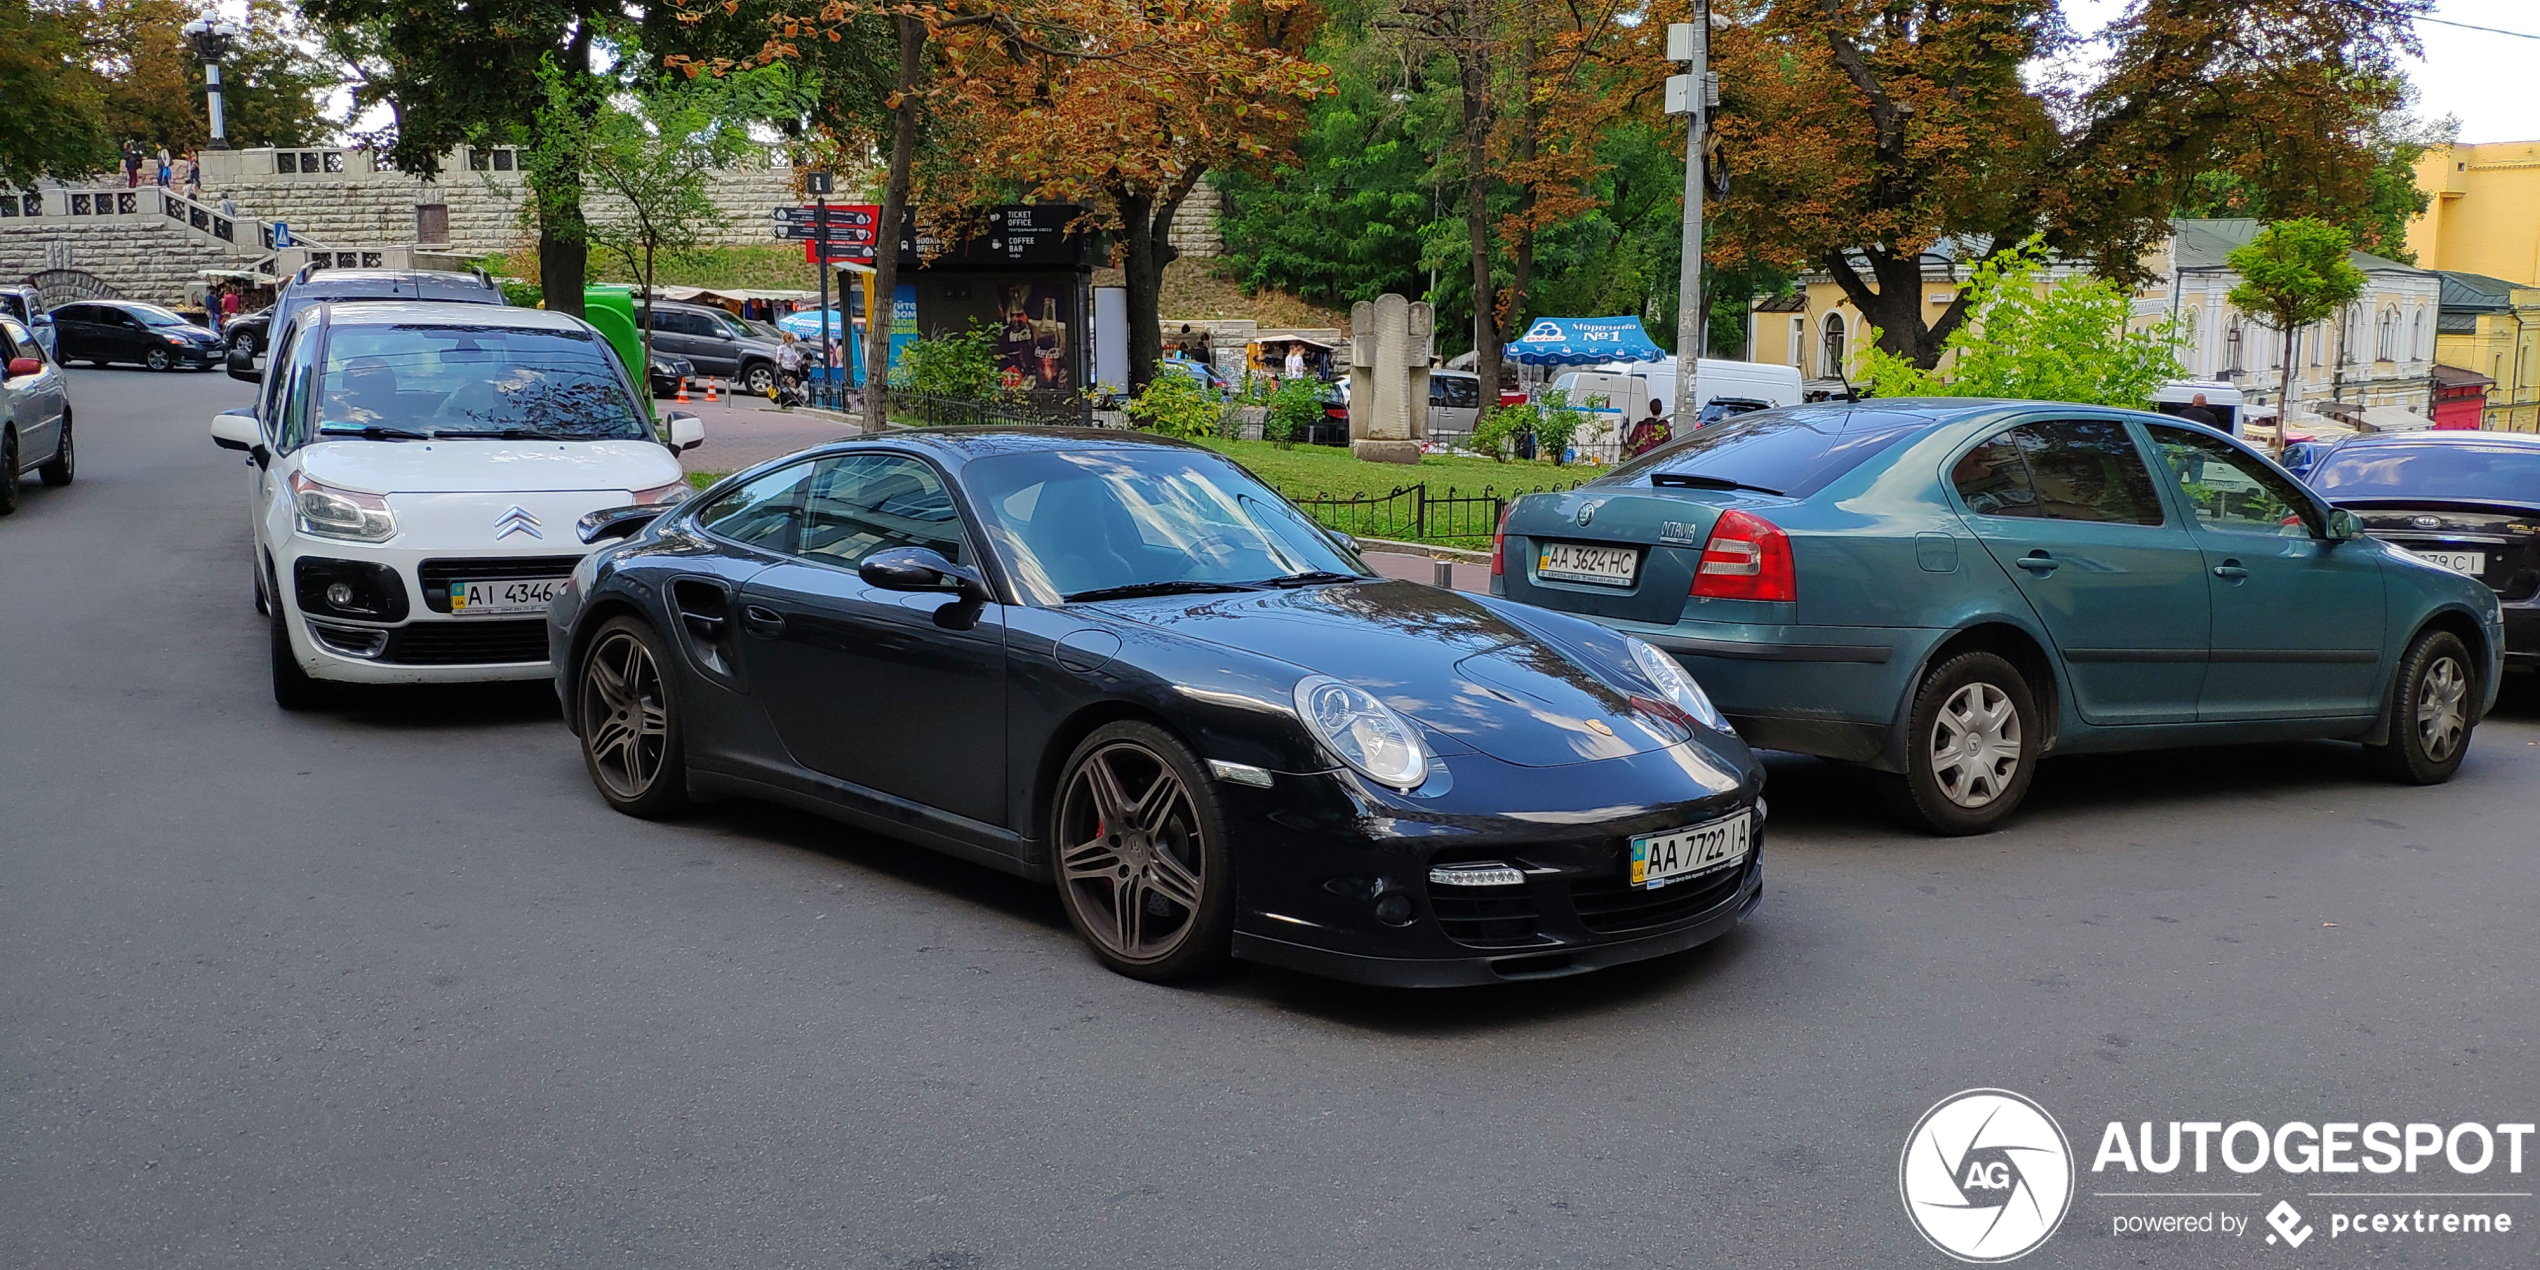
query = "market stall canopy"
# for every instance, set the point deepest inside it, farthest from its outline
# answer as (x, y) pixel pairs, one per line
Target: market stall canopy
(736, 295)
(1583, 341)
(806, 324)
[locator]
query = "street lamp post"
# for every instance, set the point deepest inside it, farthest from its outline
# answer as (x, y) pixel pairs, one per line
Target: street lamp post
(211, 38)
(1691, 94)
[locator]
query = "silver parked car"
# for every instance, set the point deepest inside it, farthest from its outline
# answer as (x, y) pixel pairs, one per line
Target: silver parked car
(35, 415)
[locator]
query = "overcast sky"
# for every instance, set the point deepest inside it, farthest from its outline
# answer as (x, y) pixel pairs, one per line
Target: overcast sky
(2484, 79)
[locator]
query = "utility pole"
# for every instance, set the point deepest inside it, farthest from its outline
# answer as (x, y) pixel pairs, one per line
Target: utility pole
(818, 185)
(1692, 95)
(211, 37)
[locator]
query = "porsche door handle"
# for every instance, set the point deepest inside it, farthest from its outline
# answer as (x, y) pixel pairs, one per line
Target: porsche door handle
(764, 622)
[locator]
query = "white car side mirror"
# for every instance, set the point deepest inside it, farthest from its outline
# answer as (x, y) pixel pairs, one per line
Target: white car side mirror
(687, 431)
(236, 430)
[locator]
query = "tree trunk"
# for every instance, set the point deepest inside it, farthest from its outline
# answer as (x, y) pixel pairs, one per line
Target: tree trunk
(883, 310)
(1473, 62)
(1146, 228)
(1895, 308)
(1523, 250)
(2284, 395)
(564, 249)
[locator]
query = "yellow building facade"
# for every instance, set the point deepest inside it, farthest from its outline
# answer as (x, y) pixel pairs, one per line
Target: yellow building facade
(2484, 217)
(2492, 326)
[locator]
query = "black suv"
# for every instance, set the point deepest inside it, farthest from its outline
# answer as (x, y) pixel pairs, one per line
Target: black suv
(714, 341)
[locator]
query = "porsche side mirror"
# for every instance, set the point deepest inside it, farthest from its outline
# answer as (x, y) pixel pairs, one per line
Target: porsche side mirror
(242, 364)
(2343, 525)
(238, 430)
(687, 431)
(919, 569)
(618, 522)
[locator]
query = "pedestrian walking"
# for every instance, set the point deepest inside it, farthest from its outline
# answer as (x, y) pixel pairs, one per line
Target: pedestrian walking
(165, 169)
(228, 205)
(193, 177)
(131, 165)
(1648, 434)
(230, 305)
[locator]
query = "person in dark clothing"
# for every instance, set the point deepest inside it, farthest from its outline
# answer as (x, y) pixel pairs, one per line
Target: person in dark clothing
(131, 164)
(2195, 412)
(1649, 433)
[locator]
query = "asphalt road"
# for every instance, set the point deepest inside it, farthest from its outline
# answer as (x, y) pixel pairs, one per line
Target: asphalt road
(390, 987)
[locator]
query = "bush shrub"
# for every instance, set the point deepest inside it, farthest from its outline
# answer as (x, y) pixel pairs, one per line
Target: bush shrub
(963, 365)
(1295, 406)
(1174, 405)
(1550, 418)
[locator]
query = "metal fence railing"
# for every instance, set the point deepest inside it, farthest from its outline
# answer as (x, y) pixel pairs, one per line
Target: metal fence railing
(1023, 409)
(1415, 513)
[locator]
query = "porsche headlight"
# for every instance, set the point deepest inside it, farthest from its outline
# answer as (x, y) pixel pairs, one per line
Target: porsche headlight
(1364, 732)
(1676, 686)
(324, 511)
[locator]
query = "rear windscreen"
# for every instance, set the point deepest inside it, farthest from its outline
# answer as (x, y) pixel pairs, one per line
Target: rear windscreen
(1786, 452)
(2469, 472)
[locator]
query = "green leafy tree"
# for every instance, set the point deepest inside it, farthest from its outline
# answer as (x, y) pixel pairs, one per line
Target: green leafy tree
(2027, 339)
(2389, 200)
(1175, 405)
(651, 150)
(1550, 419)
(2294, 273)
(52, 107)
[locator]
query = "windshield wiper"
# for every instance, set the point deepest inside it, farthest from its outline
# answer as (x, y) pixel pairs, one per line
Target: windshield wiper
(1690, 480)
(497, 434)
(1311, 577)
(370, 432)
(1134, 590)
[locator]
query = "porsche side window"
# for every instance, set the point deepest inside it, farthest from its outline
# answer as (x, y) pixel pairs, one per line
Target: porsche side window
(762, 513)
(2230, 490)
(863, 503)
(1993, 479)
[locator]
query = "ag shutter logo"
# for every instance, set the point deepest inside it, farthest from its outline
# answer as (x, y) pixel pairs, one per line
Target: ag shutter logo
(1986, 1176)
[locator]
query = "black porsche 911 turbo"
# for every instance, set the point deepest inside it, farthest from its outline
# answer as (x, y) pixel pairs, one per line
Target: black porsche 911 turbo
(1123, 665)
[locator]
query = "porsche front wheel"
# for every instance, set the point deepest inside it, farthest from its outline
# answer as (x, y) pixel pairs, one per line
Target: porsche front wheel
(1141, 854)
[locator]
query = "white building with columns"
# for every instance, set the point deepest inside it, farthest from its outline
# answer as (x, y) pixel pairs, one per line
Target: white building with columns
(2379, 352)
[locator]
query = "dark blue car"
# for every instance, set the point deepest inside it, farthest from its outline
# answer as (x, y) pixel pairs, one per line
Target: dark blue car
(1946, 591)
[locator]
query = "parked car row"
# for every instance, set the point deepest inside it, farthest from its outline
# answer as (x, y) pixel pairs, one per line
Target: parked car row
(1122, 665)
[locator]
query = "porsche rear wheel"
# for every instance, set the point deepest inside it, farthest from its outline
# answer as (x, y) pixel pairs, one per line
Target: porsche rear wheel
(628, 715)
(1141, 863)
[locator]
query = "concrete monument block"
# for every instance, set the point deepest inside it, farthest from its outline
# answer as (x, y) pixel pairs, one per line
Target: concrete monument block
(1391, 340)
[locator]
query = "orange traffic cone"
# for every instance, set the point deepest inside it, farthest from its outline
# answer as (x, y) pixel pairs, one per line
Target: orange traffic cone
(710, 388)
(682, 398)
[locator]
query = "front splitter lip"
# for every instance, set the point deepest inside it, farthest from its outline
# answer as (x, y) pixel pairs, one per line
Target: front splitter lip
(1538, 963)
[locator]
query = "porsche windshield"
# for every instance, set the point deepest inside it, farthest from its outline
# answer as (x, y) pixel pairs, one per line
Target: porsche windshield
(1111, 523)
(414, 380)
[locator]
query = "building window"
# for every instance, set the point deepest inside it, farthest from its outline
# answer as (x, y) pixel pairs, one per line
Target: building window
(1832, 365)
(1799, 344)
(285, 163)
(2232, 342)
(2386, 342)
(2416, 337)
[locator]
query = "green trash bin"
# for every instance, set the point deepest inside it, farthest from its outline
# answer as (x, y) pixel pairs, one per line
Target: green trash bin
(611, 310)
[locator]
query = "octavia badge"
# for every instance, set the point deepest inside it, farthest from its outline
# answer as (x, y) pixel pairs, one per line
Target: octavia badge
(516, 521)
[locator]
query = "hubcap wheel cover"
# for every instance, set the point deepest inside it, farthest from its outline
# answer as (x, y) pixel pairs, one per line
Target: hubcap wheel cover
(625, 716)
(1975, 745)
(2442, 709)
(1132, 863)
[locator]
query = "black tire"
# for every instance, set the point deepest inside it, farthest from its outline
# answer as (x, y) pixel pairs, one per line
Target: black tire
(2434, 700)
(245, 340)
(758, 377)
(626, 681)
(64, 464)
(159, 359)
(9, 491)
(294, 689)
(1168, 858)
(1970, 749)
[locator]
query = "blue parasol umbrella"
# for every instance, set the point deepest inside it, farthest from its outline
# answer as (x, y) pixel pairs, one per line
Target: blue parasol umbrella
(806, 324)
(1583, 342)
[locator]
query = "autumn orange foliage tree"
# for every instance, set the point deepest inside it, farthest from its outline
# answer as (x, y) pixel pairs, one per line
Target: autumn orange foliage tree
(1122, 106)
(1863, 132)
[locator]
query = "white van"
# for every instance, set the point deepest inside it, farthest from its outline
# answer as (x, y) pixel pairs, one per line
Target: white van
(2222, 401)
(1621, 393)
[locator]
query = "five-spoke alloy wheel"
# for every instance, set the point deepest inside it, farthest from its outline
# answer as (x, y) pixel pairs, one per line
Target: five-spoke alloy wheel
(1141, 857)
(628, 715)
